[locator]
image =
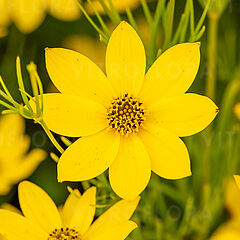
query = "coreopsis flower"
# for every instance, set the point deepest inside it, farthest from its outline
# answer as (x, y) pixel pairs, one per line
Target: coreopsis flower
(120, 6)
(231, 229)
(129, 122)
(42, 220)
(29, 14)
(15, 163)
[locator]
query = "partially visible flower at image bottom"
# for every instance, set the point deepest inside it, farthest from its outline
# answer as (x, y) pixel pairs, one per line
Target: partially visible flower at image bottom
(11, 208)
(231, 229)
(29, 14)
(129, 122)
(16, 163)
(43, 221)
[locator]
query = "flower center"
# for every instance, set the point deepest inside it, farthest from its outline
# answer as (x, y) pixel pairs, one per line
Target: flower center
(126, 114)
(64, 234)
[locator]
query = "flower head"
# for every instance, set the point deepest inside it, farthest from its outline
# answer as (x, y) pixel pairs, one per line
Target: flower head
(15, 163)
(129, 122)
(42, 220)
(29, 14)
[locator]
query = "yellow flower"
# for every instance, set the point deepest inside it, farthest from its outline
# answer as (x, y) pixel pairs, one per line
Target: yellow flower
(129, 122)
(29, 14)
(120, 5)
(43, 221)
(15, 163)
(231, 229)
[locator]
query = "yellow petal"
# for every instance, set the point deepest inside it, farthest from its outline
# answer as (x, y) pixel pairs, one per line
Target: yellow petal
(118, 232)
(37, 206)
(88, 157)
(183, 115)
(125, 60)
(130, 172)
(118, 213)
(28, 14)
(4, 13)
(73, 116)
(15, 226)
(84, 211)
(66, 10)
(172, 73)
(68, 208)
(169, 155)
(120, 6)
(73, 73)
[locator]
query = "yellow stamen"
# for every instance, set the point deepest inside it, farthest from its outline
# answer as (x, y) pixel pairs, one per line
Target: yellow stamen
(64, 234)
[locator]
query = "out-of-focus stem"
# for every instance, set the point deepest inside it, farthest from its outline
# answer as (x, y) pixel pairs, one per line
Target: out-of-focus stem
(212, 50)
(51, 137)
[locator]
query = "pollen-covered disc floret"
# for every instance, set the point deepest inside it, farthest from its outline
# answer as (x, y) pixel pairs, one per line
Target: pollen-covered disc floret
(126, 114)
(64, 234)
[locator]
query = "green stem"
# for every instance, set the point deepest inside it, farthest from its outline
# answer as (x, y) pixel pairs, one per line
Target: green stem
(147, 12)
(51, 137)
(212, 49)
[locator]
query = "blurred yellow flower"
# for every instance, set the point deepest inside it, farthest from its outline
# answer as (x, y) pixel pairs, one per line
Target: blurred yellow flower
(237, 110)
(129, 122)
(3, 32)
(231, 230)
(29, 14)
(15, 163)
(120, 5)
(42, 219)
(88, 46)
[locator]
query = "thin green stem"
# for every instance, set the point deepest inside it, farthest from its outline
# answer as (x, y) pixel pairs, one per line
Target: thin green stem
(105, 39)
(32, 69)
(211, 52)
(7, 105)
(107, 11)
(51, 137)
(192, 20)
(169, 30)
(147, 12)
(200, 22)
(4, 87)
(154, 28)
(21, 84)
(116, 15)
(99, 18)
